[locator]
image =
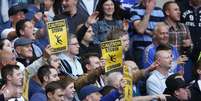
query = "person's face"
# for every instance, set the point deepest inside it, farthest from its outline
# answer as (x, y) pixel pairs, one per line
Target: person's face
(162, 35)
(48, 4)
(69, 5)
(132, 66)
(19, 16)
(94, 97)
(165, 59)
(125, 42)
(173, 12)
(94, 62)
(182, 94)
(108, 8)
(25, 51)
(198, 71)
(58, 95)
(54, 61)
(28, 30)
(69, 91)
(133, 69)
(7, 46)
(74, 46)
(17, 77)
(117, 81)
(89, 35)
(53, 75)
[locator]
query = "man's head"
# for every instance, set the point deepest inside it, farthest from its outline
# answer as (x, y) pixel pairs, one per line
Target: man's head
(176, 87)
(12, 75)
(164, 56)
(74, 46)
(48, 4)
(69, 89)
(133, 69)
(23, 47)
(24, 28)
(54, 61)
(132, 66)
(47, 74)
(172, 11)
(161, 35)
(91, 61)
(114, 82)
(54, 91)
(7, 57)
(89, 35)
(120, 34)
(17, 12)
(90, 93)
(85, 37)
(69, 5)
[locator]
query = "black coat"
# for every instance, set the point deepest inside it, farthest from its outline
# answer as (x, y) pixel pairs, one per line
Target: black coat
(195, 92)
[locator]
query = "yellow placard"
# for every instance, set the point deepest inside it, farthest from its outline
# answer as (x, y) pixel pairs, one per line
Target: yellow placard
(128, 89)
(57, 32)
(112, 52)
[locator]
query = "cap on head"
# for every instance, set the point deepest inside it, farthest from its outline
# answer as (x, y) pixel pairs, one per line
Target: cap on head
(87, 90)
(22, 42)
(174, 82)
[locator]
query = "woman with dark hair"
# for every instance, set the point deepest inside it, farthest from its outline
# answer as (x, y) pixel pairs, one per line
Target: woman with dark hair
(5, 44)
(108, 19)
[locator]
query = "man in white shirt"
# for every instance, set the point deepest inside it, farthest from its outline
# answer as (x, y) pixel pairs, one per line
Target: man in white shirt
(155, 84)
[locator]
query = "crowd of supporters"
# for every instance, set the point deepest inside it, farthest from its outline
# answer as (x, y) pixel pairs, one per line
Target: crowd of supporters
(161, 47)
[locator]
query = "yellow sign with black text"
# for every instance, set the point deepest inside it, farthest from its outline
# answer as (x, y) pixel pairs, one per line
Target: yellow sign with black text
(112, 52)
(128, 89)
(57, 32)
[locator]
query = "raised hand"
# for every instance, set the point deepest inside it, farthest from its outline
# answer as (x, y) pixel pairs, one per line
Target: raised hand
(93, 18)
(150, 4)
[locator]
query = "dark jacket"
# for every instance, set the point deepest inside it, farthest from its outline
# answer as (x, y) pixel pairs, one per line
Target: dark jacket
(195, 92)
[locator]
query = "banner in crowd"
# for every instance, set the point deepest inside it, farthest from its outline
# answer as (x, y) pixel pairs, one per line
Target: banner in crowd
(57, 32)
(112, 52)
(128, 91)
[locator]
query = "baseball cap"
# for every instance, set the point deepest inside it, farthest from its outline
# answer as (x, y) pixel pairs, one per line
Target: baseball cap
(22, 42)
(174, 82)
(16, 8)
(87, 90)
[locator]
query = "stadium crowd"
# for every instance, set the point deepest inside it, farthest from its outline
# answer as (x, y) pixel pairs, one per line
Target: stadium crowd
(161, 47)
